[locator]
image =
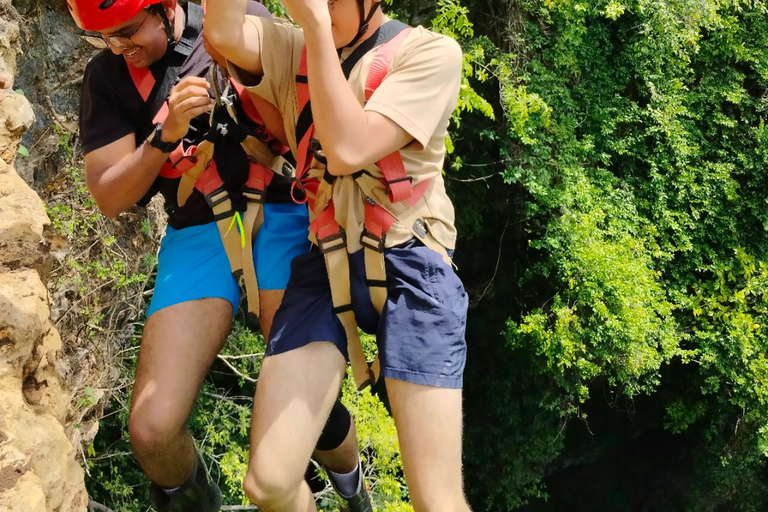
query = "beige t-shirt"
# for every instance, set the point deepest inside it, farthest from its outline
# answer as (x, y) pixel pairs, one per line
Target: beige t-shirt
(419, 94)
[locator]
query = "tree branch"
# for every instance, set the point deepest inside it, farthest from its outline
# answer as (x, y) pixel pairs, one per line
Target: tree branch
(97, 507)
(237, 372)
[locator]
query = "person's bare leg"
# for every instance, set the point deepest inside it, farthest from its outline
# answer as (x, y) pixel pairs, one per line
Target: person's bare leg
(428, 421)
(344, 458)
(269, 302)
(179, 345)
(294, 396)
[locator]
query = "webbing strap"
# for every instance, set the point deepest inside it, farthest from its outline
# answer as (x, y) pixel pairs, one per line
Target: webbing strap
(259, 151)
(406, 212)
(142, 77)
(332, 242)
(179, 161)
(374, 237)
(398, 185)
(142, 80)
(230, 238)
(305, 128)
(252, 221)
(162, 114)
(202, 157)
(238, 239)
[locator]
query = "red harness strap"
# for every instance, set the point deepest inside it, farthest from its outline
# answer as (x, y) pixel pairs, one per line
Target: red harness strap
(396, 180)
(259, 178)
(330, 236)
(304, 158)
(143, 80)
(378, 220)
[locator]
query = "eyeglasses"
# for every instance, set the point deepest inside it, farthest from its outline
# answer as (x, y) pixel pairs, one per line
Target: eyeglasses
(121, 42)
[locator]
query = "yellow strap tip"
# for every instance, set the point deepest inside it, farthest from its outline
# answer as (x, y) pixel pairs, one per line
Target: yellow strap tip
(237, 218)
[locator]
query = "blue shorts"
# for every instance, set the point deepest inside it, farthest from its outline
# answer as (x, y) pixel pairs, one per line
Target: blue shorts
(192, 263)
(420, 333)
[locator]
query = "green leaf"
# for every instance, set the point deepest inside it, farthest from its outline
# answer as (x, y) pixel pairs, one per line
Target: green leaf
(23, 151)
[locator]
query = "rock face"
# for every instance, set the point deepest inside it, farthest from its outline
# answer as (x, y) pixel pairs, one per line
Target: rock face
(38, 468)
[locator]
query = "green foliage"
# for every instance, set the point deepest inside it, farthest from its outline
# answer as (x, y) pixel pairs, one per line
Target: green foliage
(23, 151)
(452, 20)
(634, 161)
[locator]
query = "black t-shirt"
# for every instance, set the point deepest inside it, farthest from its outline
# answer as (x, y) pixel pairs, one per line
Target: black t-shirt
(111, 108)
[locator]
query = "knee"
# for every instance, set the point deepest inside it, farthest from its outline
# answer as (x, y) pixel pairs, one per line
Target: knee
(266, 486)
(149, 432)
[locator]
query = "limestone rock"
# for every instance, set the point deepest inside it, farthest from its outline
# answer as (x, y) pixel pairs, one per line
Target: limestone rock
(22, 223)
(23, 316)
(25, 496)
(18, 116)
(39, 471)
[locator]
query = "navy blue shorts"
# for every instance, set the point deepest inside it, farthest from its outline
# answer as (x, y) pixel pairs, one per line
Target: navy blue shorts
(193, 264)
(421, 331)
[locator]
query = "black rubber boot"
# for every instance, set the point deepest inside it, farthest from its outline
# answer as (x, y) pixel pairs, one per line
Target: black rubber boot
(358, 502)
(197, 494)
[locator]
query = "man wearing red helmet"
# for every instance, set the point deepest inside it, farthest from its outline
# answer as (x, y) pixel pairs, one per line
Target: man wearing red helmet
(156, 63)
(366, 103)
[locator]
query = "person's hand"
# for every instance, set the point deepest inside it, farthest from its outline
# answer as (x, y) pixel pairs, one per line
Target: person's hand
(5, 85)
(308, 14)
(188, 99)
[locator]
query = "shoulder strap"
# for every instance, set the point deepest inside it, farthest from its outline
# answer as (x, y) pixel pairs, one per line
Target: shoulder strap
(381, 61)
(192, 30)
(397, 183)
(142, 78)
(382, 36)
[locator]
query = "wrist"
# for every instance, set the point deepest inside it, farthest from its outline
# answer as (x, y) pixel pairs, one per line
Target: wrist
(318, 27)
(158, 141)
(169, 133)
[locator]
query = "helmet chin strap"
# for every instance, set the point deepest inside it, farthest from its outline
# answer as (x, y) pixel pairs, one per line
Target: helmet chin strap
(364, 20)
(169, 26)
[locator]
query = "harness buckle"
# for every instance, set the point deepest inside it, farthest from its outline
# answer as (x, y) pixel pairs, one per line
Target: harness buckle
(317, 151)
(372, 241)
(388, 184)
(287, 169)
(254, 194)
(332, 242)
(212, 199)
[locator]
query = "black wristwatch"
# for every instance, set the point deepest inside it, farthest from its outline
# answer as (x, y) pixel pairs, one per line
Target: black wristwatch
(155, 140)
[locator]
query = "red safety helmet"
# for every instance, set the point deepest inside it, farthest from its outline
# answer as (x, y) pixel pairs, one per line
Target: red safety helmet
(99, 15)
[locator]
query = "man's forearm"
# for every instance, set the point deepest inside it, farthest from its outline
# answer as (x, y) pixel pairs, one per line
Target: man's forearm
(340, 120)
(122, 185)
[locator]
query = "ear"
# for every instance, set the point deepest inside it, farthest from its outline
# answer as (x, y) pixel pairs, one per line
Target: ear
(169, 6)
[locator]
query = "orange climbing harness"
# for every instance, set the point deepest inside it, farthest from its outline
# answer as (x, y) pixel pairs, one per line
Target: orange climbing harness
(196, 169)
(388, 200)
